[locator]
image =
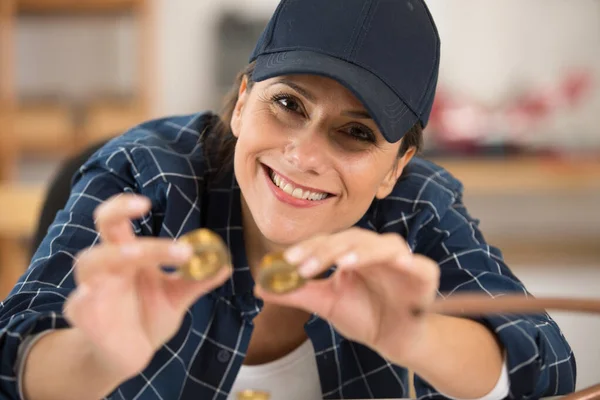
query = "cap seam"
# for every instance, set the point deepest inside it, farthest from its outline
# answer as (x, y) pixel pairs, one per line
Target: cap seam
(436, 58)
(352, 42)
(361, 38)
(280, 9)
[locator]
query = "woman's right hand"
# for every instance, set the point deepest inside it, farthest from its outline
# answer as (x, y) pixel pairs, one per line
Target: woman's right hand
(124, 304)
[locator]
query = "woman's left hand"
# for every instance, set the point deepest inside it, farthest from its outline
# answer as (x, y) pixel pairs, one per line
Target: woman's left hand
(371, 296)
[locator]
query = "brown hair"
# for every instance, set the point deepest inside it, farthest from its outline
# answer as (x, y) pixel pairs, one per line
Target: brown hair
(225, 141)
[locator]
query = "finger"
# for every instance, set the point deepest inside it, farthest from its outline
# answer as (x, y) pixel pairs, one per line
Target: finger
(113, 217)
(184, 293)
(317, 254)
(428, 272)
(387, 249)
(390, 251)
(301, 251)
(126, 259)
(350, 249)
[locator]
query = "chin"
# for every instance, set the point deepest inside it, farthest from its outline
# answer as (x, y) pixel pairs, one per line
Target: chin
(284, 232)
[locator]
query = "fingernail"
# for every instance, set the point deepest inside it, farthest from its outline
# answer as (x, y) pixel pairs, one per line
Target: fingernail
(181, 251)
(309, 268)
(293, 255)
(138, 204)
(348, 260)
(131, 250)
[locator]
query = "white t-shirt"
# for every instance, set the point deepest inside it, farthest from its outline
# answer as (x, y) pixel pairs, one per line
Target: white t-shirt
(296, 377)
(292, 377)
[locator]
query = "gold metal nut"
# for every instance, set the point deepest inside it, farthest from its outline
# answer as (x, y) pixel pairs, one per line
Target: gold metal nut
(276, 275)
(253, 395)
(210, 255)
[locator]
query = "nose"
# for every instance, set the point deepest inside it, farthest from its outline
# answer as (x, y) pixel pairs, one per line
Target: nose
(307, 151)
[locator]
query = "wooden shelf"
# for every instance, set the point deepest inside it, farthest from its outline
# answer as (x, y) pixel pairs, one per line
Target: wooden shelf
(14, 258)
(523, 175)
(50, 128)
(76, 6)
(19, 210)
(44, 128)
(7, 143)
(107, 119)
(549, 250)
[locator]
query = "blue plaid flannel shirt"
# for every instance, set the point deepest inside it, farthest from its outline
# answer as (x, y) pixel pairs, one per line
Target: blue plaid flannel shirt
(164, 160)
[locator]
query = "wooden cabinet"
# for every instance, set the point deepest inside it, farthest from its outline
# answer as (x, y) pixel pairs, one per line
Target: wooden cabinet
(54, 128)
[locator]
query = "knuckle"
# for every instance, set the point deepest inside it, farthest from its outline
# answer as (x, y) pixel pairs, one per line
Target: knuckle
(82, 257)
(433, 270)
(112, 203)
(99, 212)
(395, 239)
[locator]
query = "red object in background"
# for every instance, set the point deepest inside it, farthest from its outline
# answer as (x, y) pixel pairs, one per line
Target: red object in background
(466, 125)
(576, 86)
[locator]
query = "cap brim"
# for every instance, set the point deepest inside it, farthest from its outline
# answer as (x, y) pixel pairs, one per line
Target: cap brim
(389, 112)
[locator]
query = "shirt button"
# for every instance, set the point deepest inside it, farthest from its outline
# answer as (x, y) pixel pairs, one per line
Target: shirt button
(223, 356)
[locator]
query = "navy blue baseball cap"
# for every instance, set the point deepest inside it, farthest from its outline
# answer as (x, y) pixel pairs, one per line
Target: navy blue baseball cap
(386, 52)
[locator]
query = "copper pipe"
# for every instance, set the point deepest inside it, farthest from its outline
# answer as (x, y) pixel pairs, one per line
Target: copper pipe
(591, 393)
(470, 304)
(480, 304)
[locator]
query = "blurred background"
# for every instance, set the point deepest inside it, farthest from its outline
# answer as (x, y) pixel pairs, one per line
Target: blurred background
(517, 115)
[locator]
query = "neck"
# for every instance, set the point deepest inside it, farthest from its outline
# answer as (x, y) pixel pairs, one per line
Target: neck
(256, 244)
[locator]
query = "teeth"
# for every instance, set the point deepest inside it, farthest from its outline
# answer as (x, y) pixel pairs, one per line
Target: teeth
(294, 191)
(289, 189)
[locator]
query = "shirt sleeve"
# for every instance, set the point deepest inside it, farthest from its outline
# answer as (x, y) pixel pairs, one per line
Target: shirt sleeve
(540, 361)
(35, 305)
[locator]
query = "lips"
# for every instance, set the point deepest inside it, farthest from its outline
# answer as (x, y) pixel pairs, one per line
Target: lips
(295, 190)
(291, 193)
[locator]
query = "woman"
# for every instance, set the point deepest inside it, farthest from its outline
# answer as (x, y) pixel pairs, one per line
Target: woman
(313, 155)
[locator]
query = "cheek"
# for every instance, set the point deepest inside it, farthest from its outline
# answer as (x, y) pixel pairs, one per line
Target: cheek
(363, 175)
(259, 130)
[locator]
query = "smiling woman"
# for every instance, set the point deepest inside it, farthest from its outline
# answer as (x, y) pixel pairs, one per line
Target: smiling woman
(313, 160)
(304, 130)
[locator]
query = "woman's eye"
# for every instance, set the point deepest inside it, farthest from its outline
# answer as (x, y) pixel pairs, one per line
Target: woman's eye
(288, 104)
(361, 134)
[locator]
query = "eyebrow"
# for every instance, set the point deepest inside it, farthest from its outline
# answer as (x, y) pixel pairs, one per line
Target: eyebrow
(311, 97)
(361, 114)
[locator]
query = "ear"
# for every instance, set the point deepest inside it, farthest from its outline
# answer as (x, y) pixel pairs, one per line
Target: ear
(390, 179)
(236, 117)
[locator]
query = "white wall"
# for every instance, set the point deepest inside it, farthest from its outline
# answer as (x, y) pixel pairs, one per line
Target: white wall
(185, 46)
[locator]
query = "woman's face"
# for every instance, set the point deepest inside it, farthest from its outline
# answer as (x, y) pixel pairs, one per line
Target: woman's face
(308, 159)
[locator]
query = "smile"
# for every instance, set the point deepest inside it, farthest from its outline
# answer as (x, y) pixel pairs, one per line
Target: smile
(292, 193)
(295, 191)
